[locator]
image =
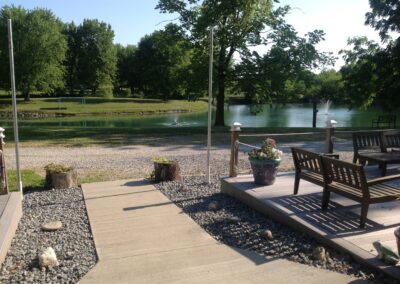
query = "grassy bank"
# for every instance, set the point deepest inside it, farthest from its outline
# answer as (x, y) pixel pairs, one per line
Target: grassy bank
(114, 136)
(95, 106)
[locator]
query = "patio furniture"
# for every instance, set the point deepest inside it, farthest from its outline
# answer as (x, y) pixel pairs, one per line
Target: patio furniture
(370, 147)
(308, 167)
(388, 121)
(348, 179)
(391, 140)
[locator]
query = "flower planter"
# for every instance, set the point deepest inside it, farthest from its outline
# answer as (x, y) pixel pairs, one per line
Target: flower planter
(264, 171)
(60, 177)
(166, 171)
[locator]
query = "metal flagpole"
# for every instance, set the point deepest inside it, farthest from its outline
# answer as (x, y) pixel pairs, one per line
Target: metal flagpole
(210, 71)
(14, 102)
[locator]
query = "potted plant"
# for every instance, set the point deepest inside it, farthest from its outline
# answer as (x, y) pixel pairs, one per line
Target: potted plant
(166, 169)
(264, 162)
(60, 176)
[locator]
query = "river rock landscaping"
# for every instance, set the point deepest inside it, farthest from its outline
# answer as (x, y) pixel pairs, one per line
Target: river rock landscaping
(72, 243)
(238, 225)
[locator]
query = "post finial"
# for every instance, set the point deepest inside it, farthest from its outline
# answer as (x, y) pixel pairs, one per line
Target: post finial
(236, 126)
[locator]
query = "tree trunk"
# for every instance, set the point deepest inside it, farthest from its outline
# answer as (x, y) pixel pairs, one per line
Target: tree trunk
(219, 115)
(27, 95)
(314, 118)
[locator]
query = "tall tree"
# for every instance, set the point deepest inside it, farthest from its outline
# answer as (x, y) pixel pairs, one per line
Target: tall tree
(71, 59)
(39, 49)
(237, 24)
(162, 59)
(97, 56)
(126, 66)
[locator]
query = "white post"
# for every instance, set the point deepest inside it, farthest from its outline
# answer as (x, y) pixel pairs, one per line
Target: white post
(14, 102)
(210, 71)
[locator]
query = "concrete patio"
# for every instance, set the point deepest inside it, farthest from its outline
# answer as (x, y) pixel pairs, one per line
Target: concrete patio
(141, 237)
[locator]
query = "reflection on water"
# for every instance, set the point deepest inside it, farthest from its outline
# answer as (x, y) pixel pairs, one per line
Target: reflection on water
(276, 116)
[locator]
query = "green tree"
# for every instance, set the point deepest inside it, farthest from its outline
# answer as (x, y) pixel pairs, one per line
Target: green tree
(162, 59)
(237, 24)
(39, 49)
(126, 66)
(71, 59)
(372, 72)
(96, 56)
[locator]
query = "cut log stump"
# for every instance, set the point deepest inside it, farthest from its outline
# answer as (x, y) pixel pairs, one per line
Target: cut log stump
(59, 177)
(166, 171)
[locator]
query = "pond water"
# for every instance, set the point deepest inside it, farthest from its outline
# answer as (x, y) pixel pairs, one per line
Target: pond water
(292, 115)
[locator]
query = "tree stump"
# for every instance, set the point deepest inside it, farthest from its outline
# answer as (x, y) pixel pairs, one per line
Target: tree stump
(166, 171)
(59, 177)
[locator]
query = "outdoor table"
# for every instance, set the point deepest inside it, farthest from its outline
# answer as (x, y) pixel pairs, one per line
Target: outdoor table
(382, 158)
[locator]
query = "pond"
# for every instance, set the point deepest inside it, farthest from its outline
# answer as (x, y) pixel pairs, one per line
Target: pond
(292, 115)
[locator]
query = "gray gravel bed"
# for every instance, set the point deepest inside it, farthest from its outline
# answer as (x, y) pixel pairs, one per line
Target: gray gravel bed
(239, 226)
(73, 244)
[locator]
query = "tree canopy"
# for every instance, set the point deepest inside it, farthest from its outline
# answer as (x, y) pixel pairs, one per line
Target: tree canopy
(237, 24)
(39, 49)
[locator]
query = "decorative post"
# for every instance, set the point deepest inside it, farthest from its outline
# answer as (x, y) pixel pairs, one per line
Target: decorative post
(235, 131)
(3, 174)
(330, 130)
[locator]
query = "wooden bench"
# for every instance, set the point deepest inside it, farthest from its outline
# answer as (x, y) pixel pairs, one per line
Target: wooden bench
(369, 147)
(348, 179)
(308, 166)
(388, 121)
(391, 141)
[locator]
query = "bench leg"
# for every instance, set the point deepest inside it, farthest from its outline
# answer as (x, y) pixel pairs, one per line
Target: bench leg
(325, 198)
(296, 183)
(364, 212)
(382, 166)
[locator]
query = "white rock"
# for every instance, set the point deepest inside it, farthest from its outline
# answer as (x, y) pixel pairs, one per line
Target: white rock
(267, 234)
(48, 258)
(52, 226)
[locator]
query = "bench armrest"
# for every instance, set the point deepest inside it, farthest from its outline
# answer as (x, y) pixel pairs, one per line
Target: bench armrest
(383, 179)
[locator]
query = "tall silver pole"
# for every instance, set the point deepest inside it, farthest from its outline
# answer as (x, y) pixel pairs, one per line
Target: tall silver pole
(210, 72)
(14, 102)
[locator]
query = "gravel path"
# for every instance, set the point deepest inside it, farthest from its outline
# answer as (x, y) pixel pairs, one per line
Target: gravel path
(102, 163)
(239, 226)
(73, 244)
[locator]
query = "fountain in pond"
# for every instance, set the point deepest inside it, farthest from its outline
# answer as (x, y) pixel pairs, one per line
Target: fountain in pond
(175, 122)
(326, 106)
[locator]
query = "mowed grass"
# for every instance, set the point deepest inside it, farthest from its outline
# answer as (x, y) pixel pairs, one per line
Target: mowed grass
(103, 106)
(30, 180)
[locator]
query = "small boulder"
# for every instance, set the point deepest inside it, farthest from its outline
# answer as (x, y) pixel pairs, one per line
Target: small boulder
(319, 254)
(52, 226)
(48, 258)
(267, 234)
(214, 206)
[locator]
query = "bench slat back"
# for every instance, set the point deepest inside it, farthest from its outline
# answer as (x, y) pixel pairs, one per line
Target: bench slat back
(306, 160)
(367, 141)
(344, 173)
(391, 139)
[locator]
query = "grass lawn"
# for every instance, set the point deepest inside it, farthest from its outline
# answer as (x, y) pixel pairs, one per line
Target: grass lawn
(103, 106)
(31, 180)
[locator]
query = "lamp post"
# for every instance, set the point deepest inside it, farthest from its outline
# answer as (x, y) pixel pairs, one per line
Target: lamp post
(330, 129)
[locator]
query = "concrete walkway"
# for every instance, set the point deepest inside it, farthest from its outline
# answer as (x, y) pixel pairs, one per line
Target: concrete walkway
(141, 237)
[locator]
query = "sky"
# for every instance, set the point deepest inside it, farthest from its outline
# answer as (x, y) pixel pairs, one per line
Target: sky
(132, 19)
